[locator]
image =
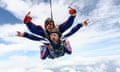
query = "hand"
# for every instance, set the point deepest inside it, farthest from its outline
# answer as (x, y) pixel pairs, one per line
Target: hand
(28, 13)
(85, 22)
(20, 34)
(72, 11)
(27, 18)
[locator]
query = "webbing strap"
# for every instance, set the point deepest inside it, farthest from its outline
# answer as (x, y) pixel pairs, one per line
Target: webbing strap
(51, 9)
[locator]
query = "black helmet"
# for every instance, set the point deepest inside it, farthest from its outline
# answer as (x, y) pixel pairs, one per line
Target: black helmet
(49, 20)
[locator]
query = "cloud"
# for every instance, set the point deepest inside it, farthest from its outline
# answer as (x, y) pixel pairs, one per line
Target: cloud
(13, 43)
(16, 7)
(39, 12)
(94, 64)
(74, 64)
(98, 43)
(117, 69)
(102, 68)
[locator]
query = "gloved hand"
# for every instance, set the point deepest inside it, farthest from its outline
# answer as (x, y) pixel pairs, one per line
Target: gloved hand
(72, 11)
(27, 18)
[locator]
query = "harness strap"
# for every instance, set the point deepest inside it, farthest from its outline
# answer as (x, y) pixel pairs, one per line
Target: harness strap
(52, 50)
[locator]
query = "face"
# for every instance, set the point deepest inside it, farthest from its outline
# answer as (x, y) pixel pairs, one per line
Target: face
(49, 26)
(54, 37)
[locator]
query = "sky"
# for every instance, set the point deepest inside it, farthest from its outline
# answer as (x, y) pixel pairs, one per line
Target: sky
(95, 48)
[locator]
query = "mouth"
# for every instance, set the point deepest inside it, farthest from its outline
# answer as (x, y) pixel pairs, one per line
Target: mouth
(53, 39)
(50, 29)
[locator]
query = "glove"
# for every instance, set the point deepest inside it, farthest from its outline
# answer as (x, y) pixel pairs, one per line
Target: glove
(72, 11)
(27, 19)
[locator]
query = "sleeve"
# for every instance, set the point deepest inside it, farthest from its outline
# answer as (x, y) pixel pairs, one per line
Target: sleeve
(36, 29)
(32, 37)
(64, 26)
(73, 30)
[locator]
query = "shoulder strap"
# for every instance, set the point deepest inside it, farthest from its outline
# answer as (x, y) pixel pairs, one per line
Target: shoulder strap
(60, 49)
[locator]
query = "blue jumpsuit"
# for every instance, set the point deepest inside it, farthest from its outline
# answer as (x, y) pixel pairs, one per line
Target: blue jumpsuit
(37, 29)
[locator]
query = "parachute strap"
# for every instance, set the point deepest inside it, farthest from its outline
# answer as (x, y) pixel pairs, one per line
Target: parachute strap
(51, 9)
(47, 35)
(58, 30)
(60, 49)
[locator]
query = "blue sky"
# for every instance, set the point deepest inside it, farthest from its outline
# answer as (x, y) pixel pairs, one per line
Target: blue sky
(7, 17)
(96, 48)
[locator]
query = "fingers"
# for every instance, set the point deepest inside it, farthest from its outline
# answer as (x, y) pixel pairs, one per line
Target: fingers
(19, 34)
(27, 18)
(72, 11)
(70, 7)
(87, 21)
(28, 13)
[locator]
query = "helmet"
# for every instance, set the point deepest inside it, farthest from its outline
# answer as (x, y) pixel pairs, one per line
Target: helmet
(55, 30)
(49, 20)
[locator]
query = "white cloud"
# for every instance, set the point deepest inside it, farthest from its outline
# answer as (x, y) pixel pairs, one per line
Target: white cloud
(67, 69)
(103, 9)
(40, 11)
(117, 69)
(74, 64)
(101, 29)
(16, 7)
(93, 37)
(14, 43)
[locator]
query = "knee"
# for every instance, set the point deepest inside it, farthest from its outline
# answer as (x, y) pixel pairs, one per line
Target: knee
(43, 58)
(69, 52)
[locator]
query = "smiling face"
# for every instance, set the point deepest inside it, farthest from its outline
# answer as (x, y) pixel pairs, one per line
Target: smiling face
(49, 26)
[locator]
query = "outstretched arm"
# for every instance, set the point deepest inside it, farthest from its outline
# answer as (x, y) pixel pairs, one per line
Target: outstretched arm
(29, 36)
(67, 24)
(76, 28)
(37, 29)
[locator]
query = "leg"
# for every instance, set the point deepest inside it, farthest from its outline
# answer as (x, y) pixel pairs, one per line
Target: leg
(43, 52)
(67, 46)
